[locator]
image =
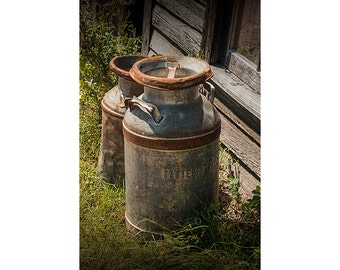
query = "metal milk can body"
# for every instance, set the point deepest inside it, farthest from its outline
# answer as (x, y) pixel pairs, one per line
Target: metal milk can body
(111, 156)
(171, 145)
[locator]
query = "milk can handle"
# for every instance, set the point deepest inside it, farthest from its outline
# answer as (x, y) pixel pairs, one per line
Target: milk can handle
(147, 107)
(210, 95)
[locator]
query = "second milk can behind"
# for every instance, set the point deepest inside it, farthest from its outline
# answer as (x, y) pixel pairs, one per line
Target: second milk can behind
(171, 138)
(111, 155)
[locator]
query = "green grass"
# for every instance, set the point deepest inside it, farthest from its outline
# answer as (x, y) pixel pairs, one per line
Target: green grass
(211, 240)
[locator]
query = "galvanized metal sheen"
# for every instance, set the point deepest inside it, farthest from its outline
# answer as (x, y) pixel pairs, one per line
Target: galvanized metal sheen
(111, 157)
(171, 135)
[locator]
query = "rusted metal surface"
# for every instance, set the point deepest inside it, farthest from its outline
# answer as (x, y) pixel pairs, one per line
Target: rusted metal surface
(199, 72)
(113, 101)
(166, 187)
(160, 143)
(111, 156)
(121, 65)
(171, 135)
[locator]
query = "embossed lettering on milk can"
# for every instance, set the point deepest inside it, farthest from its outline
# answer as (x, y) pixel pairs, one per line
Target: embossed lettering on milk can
(111, 156)
(171, 144)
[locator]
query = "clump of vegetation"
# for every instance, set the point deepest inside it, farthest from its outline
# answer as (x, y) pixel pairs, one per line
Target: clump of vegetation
(210, 240)
(103, 35)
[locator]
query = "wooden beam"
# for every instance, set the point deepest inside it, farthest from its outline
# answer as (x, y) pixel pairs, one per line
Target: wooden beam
(217, 30)
(237, 23)
(208, 28)
(146, 26)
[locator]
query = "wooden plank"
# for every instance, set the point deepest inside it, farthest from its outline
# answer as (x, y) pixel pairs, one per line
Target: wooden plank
(189, 11)
(146, 26)
(247, 151)
(232, 117)
(248, 179)
(202, 2)
(237, 89)
(245, 70)
(247, 182)
(208, 29)
(237, 23)
(151, 53)
(217, 29)
(161, 45)
(181, 34)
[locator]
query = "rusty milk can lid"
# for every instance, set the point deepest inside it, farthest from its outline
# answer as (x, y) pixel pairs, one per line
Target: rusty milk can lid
(122, 64)
(170, 72)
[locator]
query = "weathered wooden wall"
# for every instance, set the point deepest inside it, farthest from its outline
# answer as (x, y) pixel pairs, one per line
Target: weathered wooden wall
(245, 70)
(188, 28)
(166, 32)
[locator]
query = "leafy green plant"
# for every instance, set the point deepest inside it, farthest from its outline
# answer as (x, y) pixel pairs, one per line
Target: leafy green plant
(233, 187)
(100, 41)
(253, 205)
(229, 166)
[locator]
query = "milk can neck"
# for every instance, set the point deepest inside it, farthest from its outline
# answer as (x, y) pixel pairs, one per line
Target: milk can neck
(179, 96)
(129, 87)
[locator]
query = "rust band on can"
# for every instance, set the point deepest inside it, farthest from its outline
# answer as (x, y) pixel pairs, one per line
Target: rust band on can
(184, 143)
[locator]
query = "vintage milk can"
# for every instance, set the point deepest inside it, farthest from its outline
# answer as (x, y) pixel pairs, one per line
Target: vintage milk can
(171, 144)
(111, 156)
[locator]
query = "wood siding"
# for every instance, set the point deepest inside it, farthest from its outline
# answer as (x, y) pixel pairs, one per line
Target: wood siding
(176, 24)
(179, 33)
(189, 28)
(245, 70)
